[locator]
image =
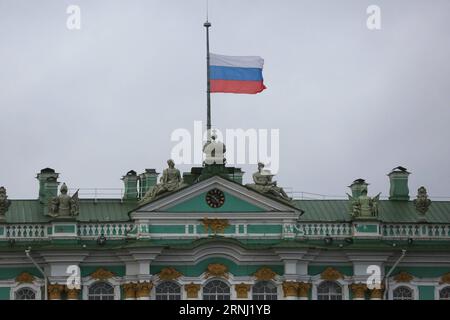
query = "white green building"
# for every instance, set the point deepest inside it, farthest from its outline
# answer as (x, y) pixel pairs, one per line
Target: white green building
(215, 238)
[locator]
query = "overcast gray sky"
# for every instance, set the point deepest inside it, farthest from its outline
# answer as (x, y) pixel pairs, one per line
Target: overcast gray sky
(349, 102)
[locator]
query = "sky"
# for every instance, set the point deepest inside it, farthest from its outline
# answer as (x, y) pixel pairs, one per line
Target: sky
(348, 102)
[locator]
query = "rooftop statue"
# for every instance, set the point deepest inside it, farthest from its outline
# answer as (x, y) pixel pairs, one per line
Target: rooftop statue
(170, 181)
(64, 206)
(4, 202)
(422, 203)
(364, 207)
(263, 183)
(214, 151)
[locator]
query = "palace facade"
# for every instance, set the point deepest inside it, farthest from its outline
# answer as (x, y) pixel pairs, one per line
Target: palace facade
(206, 235)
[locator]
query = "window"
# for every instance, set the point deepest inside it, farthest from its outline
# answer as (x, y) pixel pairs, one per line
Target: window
(168, 290)
(329, 290)
(444, 294)
(403, 293)
(25, 294)
(101, 291)
(264, 290)
(216, 290)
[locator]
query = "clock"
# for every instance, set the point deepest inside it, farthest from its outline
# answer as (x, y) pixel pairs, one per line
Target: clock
(215, 198)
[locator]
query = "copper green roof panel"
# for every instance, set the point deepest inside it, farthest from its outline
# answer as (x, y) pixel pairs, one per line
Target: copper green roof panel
(104, 210)
(389, 211)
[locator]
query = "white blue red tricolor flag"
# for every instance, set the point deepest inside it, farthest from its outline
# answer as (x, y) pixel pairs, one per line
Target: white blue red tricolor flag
(235, 74)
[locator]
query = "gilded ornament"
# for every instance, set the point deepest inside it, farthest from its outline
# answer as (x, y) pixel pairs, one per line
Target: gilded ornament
(216, 225)
(192, 290)
(265, 274)
(358, 290)
(290, 288)
(54, 291)
(242, 290)
(403, 277)
(169, 274)
(143, 289)
(445, 278)
(216, 270)
(25, 277)
(331, 274)
(102, 274)
(303, 289)
(129, 290)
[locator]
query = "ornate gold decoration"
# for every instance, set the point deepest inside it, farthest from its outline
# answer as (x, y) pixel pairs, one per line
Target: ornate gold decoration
(25, 277)
(169, 274)
(54, 291)
(403, 277)
(216, 270)
(264, 274)
(290, 288)
(358, 290)
(331, 274)
(129, 290)
(216, 225)
(303, 289)
(102, 274)
(377, 293)
(192, 290)
(72, 294)
(445, 278)
(242, 290)
(143, 289)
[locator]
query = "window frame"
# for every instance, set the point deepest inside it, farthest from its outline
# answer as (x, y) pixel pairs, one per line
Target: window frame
(216, 280)
(339, 285)
(180, 293)
(33, 286)
(413, 288)
(276, 294)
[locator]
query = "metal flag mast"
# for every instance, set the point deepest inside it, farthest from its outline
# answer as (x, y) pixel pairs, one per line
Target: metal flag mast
(207, 24)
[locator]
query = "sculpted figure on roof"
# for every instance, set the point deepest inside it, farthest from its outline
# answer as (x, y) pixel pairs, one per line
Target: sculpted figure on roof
(64, 205)
(214, 151)
(4, 202)
(263, 183)
(364, 206)
(170, 181)
(422, 203)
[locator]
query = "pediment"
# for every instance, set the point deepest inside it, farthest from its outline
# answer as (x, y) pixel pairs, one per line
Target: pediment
(238, 198)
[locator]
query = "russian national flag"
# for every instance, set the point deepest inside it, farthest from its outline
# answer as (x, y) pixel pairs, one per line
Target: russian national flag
(234, 74)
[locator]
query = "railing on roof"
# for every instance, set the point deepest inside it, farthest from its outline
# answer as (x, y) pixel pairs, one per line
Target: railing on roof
(427, 231)
(26, 231)
(109, 230)
(319, 230)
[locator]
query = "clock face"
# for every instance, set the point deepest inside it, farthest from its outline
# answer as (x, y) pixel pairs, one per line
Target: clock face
(215, 198)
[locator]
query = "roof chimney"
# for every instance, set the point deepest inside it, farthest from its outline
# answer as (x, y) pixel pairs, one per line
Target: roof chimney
(357, 187)
(147, 180)
(48, 185)
(399, 184)
(130, 183)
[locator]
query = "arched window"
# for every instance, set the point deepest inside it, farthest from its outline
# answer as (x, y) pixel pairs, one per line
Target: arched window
(168, 290)
(329, 290)
(264, 290)
(25, 294)
(216, 290)
(402, 293)
(444, 294)
(101, 291)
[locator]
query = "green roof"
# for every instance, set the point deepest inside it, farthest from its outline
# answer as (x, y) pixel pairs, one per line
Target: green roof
(116, 210)
(389, 211)
(103, 210)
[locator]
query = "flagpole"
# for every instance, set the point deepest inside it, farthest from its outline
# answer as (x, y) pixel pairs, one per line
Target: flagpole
(207, 24)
